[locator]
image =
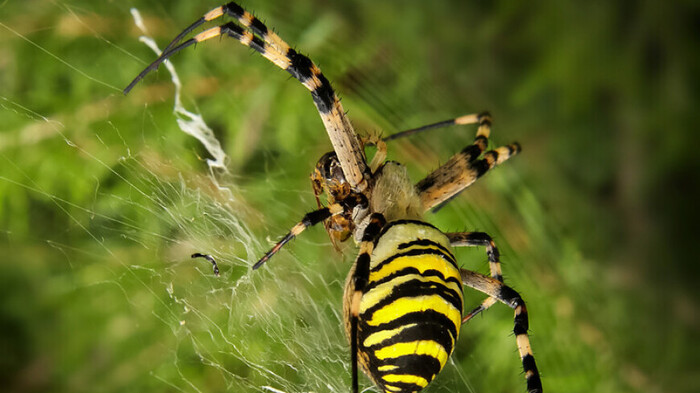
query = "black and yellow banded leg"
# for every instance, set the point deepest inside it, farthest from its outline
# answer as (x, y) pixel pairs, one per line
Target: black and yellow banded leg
(456, 174)
(463, 168)
(251, 32)
(310, 219)
(360, 278)
(508, 296)
(243, 17)
(459, 172)
(475, 239)
(286, 58)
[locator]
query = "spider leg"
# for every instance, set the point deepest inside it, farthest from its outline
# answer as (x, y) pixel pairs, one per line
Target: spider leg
(463, 168)
(360, 277)
(474, 239)
(466, 119)
(243, 17)
(506, 295)
(380, 154)
(458, 173)
(309, 219)
(254, 34)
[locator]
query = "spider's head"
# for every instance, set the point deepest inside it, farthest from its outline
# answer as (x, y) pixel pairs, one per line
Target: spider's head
(328, 177)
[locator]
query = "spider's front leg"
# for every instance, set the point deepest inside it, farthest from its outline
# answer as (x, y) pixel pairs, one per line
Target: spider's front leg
(251, 32)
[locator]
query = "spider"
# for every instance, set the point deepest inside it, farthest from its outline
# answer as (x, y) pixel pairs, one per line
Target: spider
(403, 300)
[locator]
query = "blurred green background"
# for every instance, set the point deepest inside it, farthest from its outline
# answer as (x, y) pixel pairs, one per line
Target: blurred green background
(103, 198)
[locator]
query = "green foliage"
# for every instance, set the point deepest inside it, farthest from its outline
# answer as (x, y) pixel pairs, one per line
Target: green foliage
(102, 198)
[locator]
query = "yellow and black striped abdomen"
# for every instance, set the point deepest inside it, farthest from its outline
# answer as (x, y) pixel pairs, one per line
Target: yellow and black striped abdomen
(411, 308)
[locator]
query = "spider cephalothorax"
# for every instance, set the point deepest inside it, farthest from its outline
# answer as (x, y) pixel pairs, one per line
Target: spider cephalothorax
(328, 178)
(403, 296)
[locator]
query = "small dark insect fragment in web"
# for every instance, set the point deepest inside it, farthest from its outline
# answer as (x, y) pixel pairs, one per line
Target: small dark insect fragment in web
(210, 259)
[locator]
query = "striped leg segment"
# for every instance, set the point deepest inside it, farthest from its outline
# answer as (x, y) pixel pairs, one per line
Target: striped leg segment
(474, 239)
(508, 296)
(360, 278)
(309, 219)
(251, 32)
(334, 210)
(462, 169)
(243, 17)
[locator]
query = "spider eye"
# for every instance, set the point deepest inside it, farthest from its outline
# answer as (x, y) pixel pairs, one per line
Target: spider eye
(330, 168)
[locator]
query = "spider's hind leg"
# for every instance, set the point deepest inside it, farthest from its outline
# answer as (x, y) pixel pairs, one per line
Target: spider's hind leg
(474, 239)
(508, 296)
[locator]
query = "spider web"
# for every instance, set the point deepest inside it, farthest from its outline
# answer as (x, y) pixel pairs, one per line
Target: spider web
(154, 201)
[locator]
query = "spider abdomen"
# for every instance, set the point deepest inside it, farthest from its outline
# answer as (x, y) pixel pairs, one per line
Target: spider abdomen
(411, 308)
